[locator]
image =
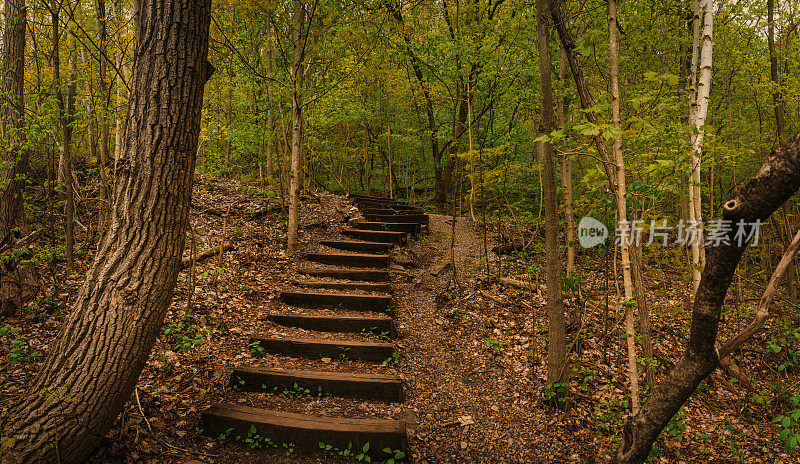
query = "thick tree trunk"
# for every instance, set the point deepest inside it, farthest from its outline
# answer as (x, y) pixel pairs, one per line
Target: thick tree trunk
(644, 315)
(119, 311)
(556, 339)
(297, 125)
(15, 282)
(775, 182)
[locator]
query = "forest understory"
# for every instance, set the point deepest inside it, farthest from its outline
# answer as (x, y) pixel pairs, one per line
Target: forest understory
(472, 351)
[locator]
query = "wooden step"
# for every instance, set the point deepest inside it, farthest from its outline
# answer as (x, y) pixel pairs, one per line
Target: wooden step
(389, 211)
(334, 349)
(306, 431)
(376, 325)
(397, 238)
(407, 227)
(344, 301)
(366, 196)
(414, 218)
(363, 247)
(391, 205)
(367, 275)
(366, 286)
(387, 388)
(349, 259)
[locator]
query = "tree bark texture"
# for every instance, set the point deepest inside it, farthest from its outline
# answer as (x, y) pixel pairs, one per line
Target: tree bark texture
(15, 282)
(93, 366)
(297, 124)
(556, 339)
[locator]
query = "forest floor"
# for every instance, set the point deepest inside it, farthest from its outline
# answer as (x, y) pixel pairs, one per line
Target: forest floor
(472, 351)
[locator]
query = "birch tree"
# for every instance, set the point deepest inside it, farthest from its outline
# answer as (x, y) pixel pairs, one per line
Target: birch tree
(700, 88)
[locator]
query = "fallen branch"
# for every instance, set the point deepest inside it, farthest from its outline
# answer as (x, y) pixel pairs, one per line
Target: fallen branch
(158, 438)
(24, 241)
(207, 253)
(521, 284)
(762, 314)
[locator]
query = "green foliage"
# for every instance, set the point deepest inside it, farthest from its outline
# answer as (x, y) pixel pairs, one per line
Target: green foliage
(255, 348)
(184, 335)
(20, 351)
(495, 345)
(786, 347)
(789, 426)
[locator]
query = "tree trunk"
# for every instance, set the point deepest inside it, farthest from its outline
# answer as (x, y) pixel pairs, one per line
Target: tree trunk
(229, 118)
(105, 97)
(644, 315)
(66, 114)
(270, 113)
(776, 181)
(777, 95)
(622, 208)
(440, 187)
(15, 281)
(121, 80)
(297, 124)
(119, 311)
(566, 171)
(556, 339)
(700, 90)
(583, 92)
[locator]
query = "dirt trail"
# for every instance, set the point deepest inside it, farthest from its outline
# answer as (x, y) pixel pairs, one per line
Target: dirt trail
(464, 403)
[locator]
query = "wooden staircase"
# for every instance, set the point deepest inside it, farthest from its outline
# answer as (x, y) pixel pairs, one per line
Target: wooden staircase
(354, 279)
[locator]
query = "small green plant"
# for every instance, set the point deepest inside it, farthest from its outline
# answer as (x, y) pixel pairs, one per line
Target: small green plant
(495, 345)
(556, 391)
(609, 414)
(296, 391)
(373, 331)
(786, 344)
(254, 440)
(165, 368)
(213, 272)
(789, 426)
(255, 348)
(224, 435)
(184, 334)
(395, 455)
(395, 359)
(363, 456)
(20, 352)
(676, 428)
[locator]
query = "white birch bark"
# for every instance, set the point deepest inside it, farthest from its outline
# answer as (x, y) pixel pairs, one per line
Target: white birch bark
(700, 86)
